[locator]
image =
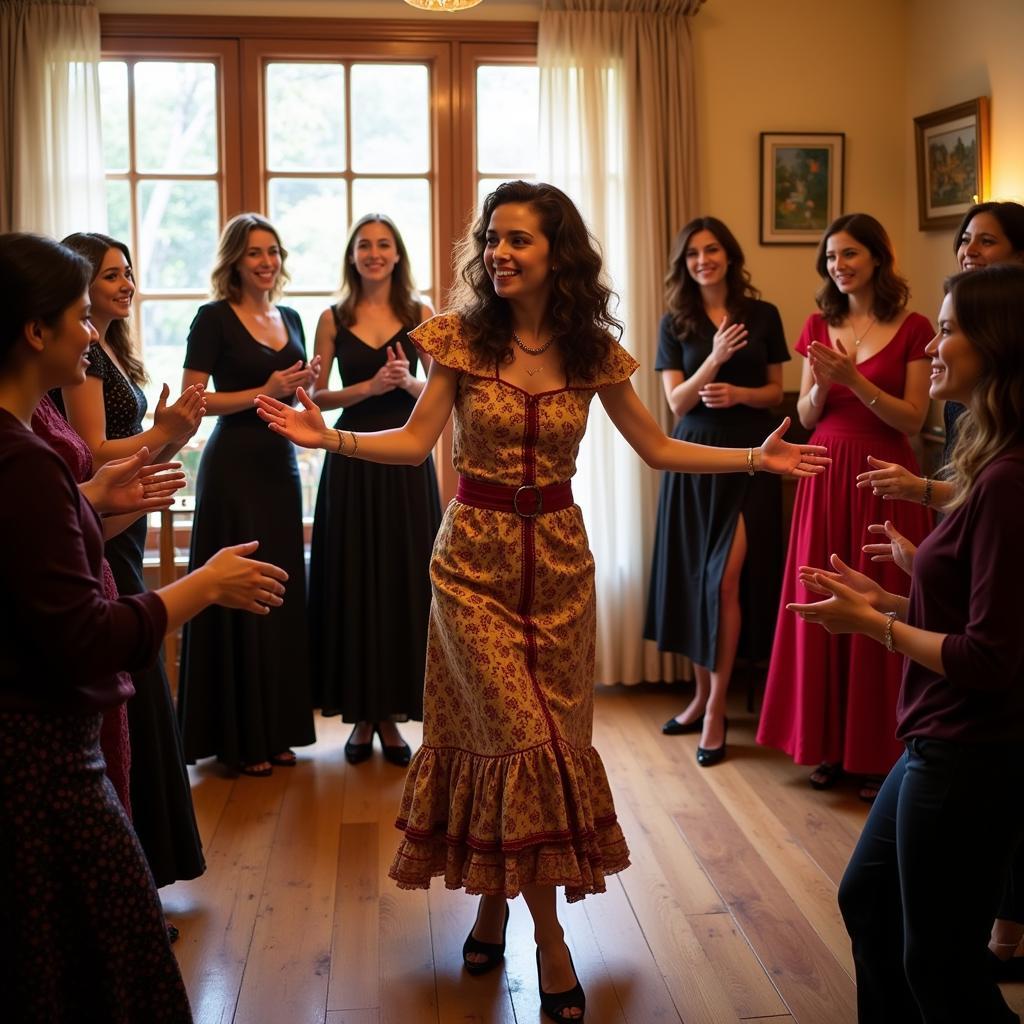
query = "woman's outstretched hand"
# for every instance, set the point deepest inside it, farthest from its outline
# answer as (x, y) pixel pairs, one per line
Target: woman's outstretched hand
(238, 581)
(304, 427)
(895, 549)
(891, 482)
(129, 486)
(845, 611)
(778, 456)
(812, 578)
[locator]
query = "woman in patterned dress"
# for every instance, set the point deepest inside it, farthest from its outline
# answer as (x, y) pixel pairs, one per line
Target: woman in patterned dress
(507, 794)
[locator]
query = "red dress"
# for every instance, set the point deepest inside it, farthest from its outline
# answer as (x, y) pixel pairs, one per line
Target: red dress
(50, 425)
(833, 698)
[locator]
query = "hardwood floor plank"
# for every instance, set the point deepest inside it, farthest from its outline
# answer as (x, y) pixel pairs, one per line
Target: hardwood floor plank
(353, 1016)
(750, 991)
(217, 929)
(355, 951)
(287, 971)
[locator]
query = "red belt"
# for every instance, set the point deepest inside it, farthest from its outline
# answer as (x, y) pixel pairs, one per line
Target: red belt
(527, 501)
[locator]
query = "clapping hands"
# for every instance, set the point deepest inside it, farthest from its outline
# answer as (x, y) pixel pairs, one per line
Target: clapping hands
(393, 374)
(832, 365)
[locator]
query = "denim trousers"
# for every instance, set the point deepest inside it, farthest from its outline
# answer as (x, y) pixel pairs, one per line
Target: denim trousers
(925, 882)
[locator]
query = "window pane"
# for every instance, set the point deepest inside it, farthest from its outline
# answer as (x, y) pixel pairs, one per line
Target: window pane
(114, 114)
(390, 118)
(178, 228)
(305, 117)
(507, 115)
(175, 117)
(311, 214)
(119, 220)
(407, 202)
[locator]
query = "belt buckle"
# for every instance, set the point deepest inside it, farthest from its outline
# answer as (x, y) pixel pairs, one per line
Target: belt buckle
(540, 501)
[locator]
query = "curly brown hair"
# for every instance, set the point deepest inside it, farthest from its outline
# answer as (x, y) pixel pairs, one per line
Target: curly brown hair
(891, 290)
(94, 247)
(405, 302)
(989, 308)
(682, 293)
(578, 309)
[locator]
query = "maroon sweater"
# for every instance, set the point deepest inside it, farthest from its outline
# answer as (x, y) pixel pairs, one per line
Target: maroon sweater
(61, 641)
(967, 583)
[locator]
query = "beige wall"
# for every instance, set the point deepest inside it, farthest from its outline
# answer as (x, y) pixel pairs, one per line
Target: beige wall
(771, 67)
(956, 51)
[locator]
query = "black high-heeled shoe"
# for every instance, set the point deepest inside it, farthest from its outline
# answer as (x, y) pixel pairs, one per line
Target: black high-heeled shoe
(708, 756)
(399, 754)
(553, 1003)
(356, 753)
(674, 728)
(494, 951)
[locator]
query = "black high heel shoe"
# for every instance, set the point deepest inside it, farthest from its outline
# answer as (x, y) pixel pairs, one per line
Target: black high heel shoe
(399, 754)
(674, 728)
(356, 753)
(553, 1003)
(707, 756)
(494, 951)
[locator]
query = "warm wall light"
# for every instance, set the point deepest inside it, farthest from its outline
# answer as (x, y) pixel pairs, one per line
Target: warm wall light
(443, 5)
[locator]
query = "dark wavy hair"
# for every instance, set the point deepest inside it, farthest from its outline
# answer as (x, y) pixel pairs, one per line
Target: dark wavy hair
(578, 311)
(989, 308)
(40, 279)
(1010, 217)
(682, 293)
(891, 290)
(405, 302)
(94, 247)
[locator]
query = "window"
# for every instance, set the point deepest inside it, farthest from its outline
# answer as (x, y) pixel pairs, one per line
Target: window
(312, 122)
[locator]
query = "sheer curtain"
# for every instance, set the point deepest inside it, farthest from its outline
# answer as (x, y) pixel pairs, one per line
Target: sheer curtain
(51, 157)
(618, 135)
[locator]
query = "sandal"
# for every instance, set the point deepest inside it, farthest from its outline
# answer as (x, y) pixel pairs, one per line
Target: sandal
(555, 1003)
(286, 759)
(494, 951)
(869, 787)
(254, 772)
(825, 776)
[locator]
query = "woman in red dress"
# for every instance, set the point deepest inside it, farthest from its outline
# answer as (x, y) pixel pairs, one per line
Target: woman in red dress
(831, 701)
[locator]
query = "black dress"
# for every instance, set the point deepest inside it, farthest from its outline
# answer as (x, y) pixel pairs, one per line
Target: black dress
(369, 582)
(244, 692)
(697, 514)
(162, 811)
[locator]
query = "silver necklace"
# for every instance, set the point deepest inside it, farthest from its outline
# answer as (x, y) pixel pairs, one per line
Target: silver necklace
(532, 351)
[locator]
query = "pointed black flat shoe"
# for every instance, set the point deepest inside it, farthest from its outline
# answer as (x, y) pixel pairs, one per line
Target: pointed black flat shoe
(674, 728)
(356, 753)
(494, 951)
(708, 756)
(553, 1003)
(400, 754)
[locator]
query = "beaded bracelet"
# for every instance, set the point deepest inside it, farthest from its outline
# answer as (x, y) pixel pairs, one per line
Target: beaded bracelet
(890, 618)
(926, 500)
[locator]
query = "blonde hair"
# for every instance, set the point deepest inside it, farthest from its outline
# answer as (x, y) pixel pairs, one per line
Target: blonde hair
(989, 309)
(225, 282)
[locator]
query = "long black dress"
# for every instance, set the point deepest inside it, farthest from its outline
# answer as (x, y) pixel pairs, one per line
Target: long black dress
(244, 691)
(369, 581)
(162, 812)
(697, 514)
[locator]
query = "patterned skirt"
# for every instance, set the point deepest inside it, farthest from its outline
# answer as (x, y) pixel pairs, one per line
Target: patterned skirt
(82, 934)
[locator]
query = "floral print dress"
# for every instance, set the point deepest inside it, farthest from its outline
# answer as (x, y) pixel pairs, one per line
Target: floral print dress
(507, 788)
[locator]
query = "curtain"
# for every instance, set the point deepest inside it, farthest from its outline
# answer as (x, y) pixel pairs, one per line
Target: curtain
(618, 134)
(51, 157)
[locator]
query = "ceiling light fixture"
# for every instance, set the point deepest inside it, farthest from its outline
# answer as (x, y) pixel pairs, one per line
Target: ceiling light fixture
(443, 5)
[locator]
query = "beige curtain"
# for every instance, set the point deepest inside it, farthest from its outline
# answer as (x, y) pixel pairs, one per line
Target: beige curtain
(51, 158)
(618, 134)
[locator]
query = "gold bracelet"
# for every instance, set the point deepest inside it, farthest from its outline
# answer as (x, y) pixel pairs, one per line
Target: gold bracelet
(341, 443)
(750, 462)
(890, 618)
(927, 499)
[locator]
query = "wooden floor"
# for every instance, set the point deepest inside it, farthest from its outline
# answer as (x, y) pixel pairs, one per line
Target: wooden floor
(727, 913)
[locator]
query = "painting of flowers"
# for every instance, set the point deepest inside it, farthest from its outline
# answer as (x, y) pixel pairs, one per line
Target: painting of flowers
(801, 185)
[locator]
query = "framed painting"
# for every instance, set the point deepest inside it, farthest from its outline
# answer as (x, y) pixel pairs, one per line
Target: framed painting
(801, 185)
(952, 162)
